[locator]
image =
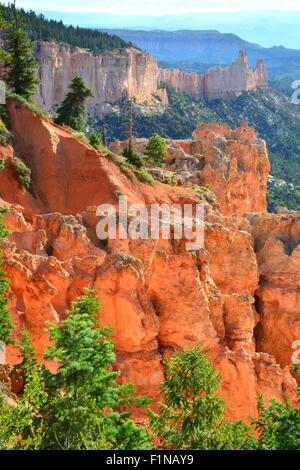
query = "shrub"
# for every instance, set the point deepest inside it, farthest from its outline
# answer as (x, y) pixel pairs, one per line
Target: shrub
(22, 172)
(94, 140)
(3, 138)
(156, 150)
(143, 176)
(133, 157)
(169, 181)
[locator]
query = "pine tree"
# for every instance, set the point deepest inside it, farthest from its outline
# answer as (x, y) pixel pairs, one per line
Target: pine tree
(278, 426)
(6, 324)
(133, 157)
(21, 426)
(156, 150)
(95, 139)
(90, 410)
(72, 111)
(19, 63)
(3, 24)
(191, 416)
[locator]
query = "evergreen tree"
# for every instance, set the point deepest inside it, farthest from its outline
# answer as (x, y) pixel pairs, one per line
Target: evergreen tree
(278, 426)
(20, 65)
(91, 400)
(133, 157)
(6, 324)
(21, 426)
(191, 416)
(41, 29)
(72, 111)
(103, 135)
(95, 140)
(81, 406)
(156, 150)
(3, 24)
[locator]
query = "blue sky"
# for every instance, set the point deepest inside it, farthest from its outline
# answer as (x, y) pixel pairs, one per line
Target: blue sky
(157, 7)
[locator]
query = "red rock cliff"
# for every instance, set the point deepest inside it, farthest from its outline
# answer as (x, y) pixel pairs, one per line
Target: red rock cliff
(156, 295)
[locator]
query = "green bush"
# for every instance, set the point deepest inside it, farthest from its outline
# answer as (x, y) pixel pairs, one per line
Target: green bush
(22, 173)
(143, 176)
(3, 133)
(94, 140)
(169, 181)
(133, 157)
(156, 150)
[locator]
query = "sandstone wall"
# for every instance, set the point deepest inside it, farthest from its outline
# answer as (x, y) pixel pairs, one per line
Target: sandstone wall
(117, 76)
(218, 82)
(112, 77)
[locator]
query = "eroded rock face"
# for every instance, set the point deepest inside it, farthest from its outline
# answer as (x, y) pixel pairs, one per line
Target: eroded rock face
(234, 163)
(156, 296)
(112, 77)
(118, 76)
(277, 246)
(218, 82)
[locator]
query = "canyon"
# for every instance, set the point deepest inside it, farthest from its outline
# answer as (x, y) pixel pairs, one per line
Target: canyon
(129, 73)
(238, 295)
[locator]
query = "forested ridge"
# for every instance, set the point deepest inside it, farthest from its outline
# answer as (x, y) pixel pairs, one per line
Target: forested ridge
(41, 29)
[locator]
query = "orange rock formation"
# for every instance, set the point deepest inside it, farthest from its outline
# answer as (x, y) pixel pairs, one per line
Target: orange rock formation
(156, 295)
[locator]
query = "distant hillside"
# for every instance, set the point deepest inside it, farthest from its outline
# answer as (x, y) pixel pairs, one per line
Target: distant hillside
(192, 50)
(268, 28)
(39, 28)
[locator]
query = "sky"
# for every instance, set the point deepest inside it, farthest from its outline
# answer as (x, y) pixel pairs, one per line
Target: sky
(157, 7)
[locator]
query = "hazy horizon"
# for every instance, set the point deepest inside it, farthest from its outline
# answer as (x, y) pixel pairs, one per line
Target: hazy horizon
(267, 23)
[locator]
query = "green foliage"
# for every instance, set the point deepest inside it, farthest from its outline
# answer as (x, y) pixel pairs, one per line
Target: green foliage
(21, 426)
(169, 181)
(3, 24)
(94, 140)
(91, 398)
(278, 426)
(27, 355)
(6, 324)
(156, 150)
(191, 416)
(143, 176)
(133, 157)
(283, 195)
(3, 133)
(98, 140)
(19, 63)
(22, 173)
(72, 111)
(41, 29)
